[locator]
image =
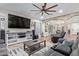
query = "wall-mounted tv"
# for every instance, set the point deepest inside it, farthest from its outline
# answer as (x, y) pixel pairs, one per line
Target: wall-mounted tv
(18, 22)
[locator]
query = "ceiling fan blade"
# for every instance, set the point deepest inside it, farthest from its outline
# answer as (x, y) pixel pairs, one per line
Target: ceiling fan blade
(34, 10)
(52, 7)
(44, 5)
(48, 13)
(42, 13)
(51, 11)
(36, 6)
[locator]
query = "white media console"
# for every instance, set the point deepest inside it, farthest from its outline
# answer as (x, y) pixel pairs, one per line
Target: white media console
(18, 37)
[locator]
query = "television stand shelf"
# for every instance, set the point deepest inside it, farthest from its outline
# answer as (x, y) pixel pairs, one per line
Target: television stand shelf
(18, 37)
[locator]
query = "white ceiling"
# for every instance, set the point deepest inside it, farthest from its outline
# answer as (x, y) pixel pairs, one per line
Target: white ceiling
(27, 7)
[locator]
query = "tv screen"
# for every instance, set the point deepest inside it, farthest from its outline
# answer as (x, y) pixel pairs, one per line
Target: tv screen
(18, 22)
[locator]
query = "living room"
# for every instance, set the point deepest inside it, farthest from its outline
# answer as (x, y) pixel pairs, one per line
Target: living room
(39, 29)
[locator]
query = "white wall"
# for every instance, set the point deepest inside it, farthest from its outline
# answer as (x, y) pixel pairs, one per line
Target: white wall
(4, 14)
(74, 28)
(72, 24)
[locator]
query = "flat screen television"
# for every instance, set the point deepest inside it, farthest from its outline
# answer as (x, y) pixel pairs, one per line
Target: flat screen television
(18, 22)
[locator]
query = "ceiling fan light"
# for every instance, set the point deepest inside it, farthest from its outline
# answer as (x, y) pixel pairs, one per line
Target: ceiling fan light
(60, 11)
(42, 17)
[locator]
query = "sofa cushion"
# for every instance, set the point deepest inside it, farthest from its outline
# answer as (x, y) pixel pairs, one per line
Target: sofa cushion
(75, 45)
(63, 49)
(56, 54)
(38, 54)
(47, 51)
(61, 40)
(44, 52)
(75, 52)
(68, 42)
(55, 45)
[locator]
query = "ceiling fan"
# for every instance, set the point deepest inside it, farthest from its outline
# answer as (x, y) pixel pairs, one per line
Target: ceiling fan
(44, 9)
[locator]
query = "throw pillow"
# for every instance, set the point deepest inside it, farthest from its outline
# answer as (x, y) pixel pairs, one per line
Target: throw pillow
(63, 49)
(68, 42)
(75, 52)
(75, 45)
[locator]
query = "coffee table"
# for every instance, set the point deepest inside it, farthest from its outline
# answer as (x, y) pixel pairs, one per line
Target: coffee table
(31, 44)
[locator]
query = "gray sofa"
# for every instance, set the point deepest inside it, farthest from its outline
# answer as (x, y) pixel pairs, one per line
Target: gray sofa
(3, 50)
(55, 37)
(47, 52)
(67, 48)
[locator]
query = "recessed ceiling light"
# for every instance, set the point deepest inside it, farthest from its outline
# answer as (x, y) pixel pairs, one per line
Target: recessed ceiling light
(60, 11)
